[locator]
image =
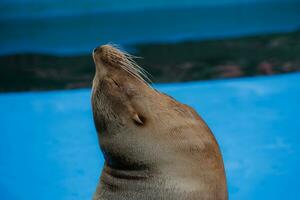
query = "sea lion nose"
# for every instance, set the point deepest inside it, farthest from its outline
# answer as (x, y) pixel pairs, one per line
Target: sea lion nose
(97, 49)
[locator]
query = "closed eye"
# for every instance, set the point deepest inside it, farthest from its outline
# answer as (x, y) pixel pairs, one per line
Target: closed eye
(117, 84)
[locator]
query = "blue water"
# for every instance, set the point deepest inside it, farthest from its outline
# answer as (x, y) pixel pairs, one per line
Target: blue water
(49, 149)
(61, 27)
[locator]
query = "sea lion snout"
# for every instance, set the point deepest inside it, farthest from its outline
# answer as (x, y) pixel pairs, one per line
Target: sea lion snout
(101, 48)
(109, 61)
(109, 55)
(97, 49)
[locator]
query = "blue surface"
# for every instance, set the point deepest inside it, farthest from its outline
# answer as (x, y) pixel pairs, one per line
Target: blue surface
(49, 149)
(75, 27)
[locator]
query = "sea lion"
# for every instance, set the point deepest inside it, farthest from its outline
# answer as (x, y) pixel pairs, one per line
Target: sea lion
(154, 147)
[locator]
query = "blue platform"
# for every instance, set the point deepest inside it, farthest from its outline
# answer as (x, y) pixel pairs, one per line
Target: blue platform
(49, 149)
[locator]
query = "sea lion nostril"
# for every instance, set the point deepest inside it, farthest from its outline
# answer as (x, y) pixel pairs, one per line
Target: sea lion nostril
(95, 50)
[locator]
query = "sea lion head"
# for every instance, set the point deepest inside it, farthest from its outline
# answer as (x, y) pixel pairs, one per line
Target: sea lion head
(117, 79)
(119, 87)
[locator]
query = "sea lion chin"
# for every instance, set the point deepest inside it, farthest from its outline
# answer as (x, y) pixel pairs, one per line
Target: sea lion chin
(154, 147)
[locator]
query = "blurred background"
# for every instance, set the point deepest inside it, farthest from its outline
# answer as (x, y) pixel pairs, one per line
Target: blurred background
(47, 44)
(48, 145)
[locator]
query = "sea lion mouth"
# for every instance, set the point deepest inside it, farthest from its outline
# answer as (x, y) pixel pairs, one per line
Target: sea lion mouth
(110, 56)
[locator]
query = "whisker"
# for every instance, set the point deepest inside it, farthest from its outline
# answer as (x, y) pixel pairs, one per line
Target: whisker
(129, 65)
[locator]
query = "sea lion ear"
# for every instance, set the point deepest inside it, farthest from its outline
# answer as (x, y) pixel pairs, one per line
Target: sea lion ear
(137, 119)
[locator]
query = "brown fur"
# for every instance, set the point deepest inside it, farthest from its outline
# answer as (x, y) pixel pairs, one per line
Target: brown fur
(154, 146)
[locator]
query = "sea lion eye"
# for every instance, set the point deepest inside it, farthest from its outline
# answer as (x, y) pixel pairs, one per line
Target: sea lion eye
(116, 83)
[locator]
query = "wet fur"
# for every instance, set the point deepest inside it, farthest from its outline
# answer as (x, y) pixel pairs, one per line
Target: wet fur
(154, 146)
